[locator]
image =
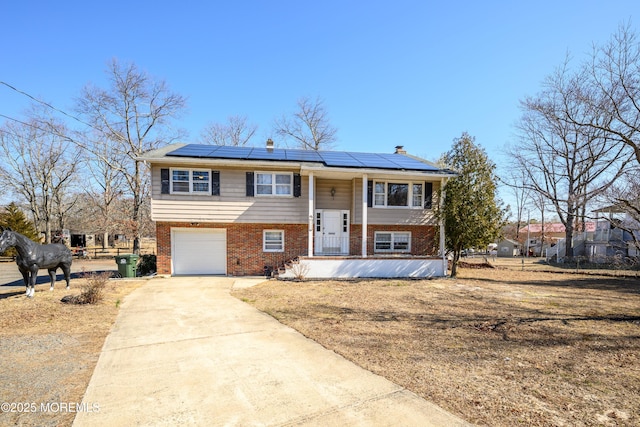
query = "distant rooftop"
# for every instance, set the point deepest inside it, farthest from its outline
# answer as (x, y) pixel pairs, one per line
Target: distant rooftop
(554, 227)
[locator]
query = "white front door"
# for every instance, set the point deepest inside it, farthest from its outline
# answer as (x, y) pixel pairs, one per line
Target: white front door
(332, 232)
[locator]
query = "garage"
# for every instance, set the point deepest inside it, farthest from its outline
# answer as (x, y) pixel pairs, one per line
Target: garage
(199, 251)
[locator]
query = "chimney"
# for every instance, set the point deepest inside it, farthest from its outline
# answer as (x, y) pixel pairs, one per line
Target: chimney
(269, 144)
(400, 149)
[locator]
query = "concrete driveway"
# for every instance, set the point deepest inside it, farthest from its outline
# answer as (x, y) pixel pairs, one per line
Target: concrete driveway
(183, 351)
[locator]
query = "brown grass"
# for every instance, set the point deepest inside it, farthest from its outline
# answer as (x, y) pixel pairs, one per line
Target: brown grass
(48, 349)
(497, 347)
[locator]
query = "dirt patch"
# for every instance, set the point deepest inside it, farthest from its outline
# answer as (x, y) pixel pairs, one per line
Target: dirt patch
(494, 346)
(48, 350)
(463, 264)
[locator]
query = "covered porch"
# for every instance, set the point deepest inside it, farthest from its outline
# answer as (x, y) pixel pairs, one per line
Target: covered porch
(347, 238)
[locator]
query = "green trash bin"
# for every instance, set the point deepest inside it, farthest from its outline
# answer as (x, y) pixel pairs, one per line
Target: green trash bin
(127, 264)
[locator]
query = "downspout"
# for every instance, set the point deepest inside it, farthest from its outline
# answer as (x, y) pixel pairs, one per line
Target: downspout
(443, 251)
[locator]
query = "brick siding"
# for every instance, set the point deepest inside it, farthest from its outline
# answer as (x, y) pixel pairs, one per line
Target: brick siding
(245, 256)
(423, 238)
(244, 243)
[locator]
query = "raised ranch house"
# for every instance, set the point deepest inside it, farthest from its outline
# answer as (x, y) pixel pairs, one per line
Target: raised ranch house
(254, 210)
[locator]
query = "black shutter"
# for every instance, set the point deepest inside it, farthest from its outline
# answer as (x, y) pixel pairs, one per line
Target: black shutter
(428, 195)
(249, 184)
(297, 185)
(370, 194)
(164, 179)
(215, 183)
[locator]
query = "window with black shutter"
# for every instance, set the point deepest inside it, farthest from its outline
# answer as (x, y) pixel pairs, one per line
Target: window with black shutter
(215, 183)
(428, 195)
(165, 183)
(249, 184)
(297, 185)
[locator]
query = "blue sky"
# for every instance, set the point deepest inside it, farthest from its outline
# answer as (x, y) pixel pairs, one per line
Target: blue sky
(412, 73)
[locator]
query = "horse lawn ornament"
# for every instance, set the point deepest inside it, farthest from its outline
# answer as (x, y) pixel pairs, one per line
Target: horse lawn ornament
(33, 256)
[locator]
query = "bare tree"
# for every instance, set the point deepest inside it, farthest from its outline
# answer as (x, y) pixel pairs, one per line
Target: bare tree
(565, 162)
(309, 128)
(107, 191)
(515, 180)
(128, 118)
(539, 202)
(613, 92)
(39, 165)
(614, 72)
(236, 132)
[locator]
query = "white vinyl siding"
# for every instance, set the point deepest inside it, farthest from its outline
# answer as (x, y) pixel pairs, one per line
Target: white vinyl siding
(339, 199)
(232, 205)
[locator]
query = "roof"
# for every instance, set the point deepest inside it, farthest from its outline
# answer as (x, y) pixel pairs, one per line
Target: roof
(617, 208)
(337, 159)
(554, 227)
(508, 241)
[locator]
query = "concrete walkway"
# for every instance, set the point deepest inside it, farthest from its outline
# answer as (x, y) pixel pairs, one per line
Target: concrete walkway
(183, 351)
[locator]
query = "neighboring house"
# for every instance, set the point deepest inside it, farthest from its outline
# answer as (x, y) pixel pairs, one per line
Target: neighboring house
(613, 235)
(250, 210)
(508, 248)
(599, 241)
(543, 237)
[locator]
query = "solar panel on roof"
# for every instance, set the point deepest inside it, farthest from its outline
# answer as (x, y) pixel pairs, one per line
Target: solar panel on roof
(340, 158)
(259, 153)
(193, 150)
(303, 155)
(409, 163)
(329, 158)
(228, 152)
(372, 160)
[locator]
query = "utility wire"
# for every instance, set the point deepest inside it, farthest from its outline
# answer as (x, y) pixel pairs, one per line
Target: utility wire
(43, 103)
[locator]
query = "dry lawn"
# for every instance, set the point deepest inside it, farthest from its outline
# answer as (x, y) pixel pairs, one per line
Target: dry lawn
(48, 349)
(497, 347)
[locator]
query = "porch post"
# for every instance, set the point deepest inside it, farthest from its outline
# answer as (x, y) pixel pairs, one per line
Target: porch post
(311, 210)
(364, 215)
(443, 252)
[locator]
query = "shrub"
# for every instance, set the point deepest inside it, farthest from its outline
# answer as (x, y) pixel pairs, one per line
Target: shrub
(147, 265)
(92, 290)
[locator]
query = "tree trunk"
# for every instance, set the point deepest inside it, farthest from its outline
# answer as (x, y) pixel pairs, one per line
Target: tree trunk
(568, 252)
(454, 263)
(542, 232)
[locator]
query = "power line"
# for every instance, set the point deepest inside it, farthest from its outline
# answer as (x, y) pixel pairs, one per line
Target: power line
(33, 126)
(46, 104)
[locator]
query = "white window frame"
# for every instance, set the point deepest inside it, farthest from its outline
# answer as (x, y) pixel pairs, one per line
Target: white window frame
(191, 181)
(268, 245)
(274, 184)
(395, 241)
(410, 196)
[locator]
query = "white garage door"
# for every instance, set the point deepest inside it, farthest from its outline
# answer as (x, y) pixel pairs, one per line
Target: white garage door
(199, 251)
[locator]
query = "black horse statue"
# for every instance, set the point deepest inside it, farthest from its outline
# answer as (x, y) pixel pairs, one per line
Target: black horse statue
(33, 256)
